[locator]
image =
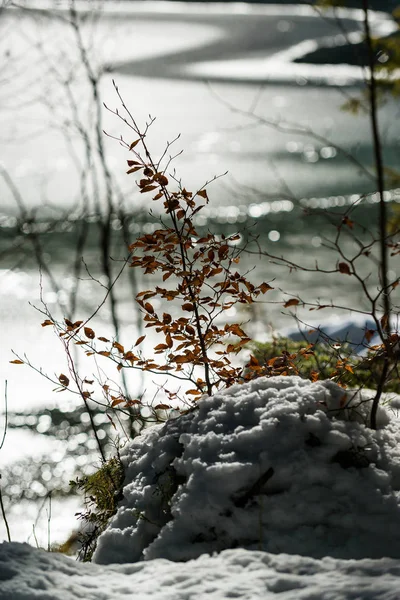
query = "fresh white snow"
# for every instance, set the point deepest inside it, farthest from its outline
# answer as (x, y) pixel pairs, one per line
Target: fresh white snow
(275, 487)
(187, 480)
(28, 574)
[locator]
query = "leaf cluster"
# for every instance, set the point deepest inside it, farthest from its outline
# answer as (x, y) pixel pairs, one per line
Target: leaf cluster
(205, 284)
(197, 274)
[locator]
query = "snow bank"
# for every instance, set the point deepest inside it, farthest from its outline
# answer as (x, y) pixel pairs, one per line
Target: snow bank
(30, 574)
(276, 465)
(273, 465)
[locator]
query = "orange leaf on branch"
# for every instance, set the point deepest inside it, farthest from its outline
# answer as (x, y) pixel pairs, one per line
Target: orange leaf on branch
(63, 379)
(291, 302)
(161, 179)
(344, 268)
(369, 333)
(148, 307)
(89, 333)
(135, 143)
(140, 340)
(188, 306)
(148, 188)
(119, 347)
(265, 287)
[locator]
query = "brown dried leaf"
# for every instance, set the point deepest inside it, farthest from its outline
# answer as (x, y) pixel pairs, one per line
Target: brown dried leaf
(135, 143)
(148, 307)
(131, 357)
(253, 362)
(148, 188)
(265, 287)
(162, 180)
(223, 252)
(47, 322)
(188, 306)
(161, 347)
(89, 332)
(140, 340)
(63, 379)
(291, 302)
(369, 334)
(117, 401)
(348, 222)
(119, 347)
(344, 268)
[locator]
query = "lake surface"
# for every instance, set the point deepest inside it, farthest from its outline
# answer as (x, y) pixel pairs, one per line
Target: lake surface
(223, 77)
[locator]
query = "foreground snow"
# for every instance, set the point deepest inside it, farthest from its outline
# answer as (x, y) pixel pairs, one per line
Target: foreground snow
(29, 574)
(280, 465)
(272, 465)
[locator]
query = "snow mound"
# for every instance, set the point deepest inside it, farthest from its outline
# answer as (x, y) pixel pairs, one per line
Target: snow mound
(30, 574)
(273, 465)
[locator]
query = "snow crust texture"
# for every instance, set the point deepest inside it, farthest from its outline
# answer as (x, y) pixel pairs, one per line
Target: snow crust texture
(30, 574)
(280, 465)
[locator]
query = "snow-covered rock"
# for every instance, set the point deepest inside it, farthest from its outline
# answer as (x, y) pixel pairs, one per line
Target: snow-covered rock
(281, 465)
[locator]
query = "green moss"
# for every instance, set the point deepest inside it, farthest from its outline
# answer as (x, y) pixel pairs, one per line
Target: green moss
(323, 360)
(102, 491)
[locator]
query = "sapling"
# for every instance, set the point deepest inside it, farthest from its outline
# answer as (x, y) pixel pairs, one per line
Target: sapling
(196, 273)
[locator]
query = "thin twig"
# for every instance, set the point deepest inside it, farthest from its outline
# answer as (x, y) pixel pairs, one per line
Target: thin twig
(3, 512)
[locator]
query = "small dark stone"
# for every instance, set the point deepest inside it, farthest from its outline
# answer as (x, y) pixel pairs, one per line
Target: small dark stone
(313, 441)
(354, 457)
